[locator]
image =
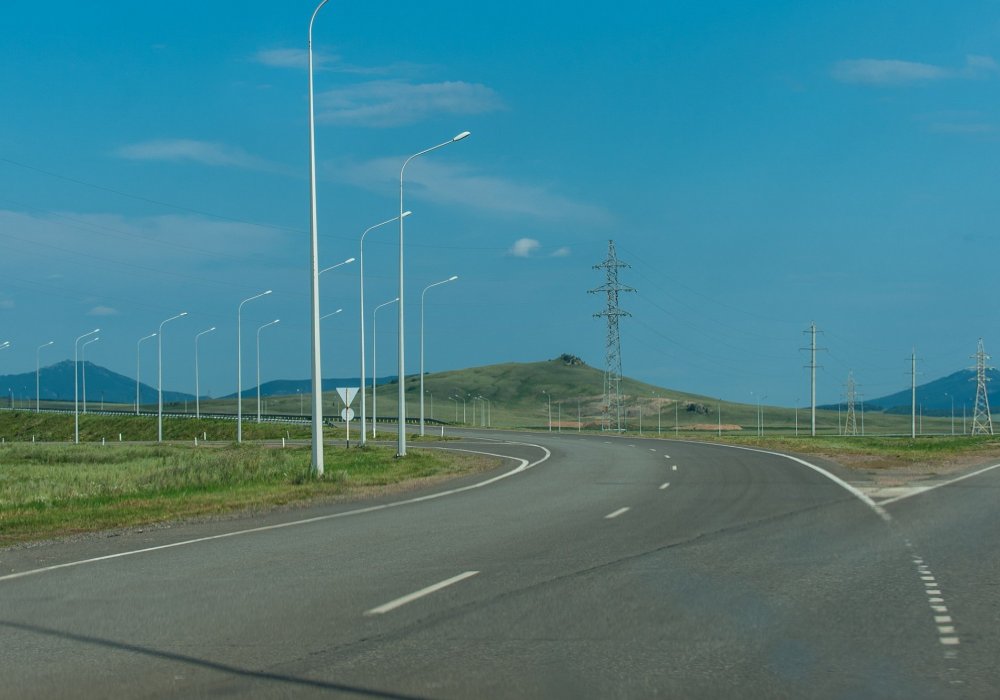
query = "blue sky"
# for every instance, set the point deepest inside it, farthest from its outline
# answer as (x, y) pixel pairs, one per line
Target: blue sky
(760, 167)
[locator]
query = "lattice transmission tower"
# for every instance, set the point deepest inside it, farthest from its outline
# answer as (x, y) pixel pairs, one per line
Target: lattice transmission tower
(982, 423)
(612, 413)
(851, 424)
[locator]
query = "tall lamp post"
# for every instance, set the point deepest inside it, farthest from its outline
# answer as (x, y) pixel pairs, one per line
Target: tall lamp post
(239, 366)
(401, 440)
(462, 399)
(326, 316)
(317, 369)
(422, 294)
(361, 259)
(159, 375)
(549, 397)
(83, 369)
(319, 387)
(38, 385)
(197, 383)
(277, 320)
(137, 344)
(374, 360)
(76, 389)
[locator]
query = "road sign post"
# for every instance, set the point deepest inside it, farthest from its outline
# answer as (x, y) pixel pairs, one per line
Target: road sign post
(347, 394)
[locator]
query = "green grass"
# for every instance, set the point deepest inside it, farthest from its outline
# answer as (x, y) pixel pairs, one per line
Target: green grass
(24, 426)
(53, 490)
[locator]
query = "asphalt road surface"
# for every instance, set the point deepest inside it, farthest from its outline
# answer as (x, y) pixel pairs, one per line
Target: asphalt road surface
(587, 567)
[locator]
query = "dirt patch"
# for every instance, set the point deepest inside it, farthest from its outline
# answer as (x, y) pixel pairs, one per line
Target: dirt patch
(896, 471)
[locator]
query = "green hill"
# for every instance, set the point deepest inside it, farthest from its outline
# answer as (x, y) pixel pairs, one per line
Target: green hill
(516, 395)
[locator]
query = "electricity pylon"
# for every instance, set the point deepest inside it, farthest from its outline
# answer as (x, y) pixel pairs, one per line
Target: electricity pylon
(982, 423)
(851, 424)
(613, 406)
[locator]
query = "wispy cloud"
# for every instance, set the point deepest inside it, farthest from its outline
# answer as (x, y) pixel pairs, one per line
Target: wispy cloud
(189, 150)
(967, 123)
(524, 247)
(103, 311)
(455, 184)
(561, 252)
(384, 103)
(882, 72)
(322, 61)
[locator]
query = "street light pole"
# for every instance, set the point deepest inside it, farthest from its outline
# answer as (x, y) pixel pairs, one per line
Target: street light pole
(197, 384)
(38, 385)
(137, 344)
(83, 357)
(159, 376)
(401, 437)
(549, 397)
(374, 360)
(76, 399)
(361, 259)
(422, 294)
(277, 320)
(239, 364)
(317, 369)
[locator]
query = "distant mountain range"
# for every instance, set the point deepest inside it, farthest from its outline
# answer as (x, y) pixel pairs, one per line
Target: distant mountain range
(285, 387)
(935, 398)
(56, 384)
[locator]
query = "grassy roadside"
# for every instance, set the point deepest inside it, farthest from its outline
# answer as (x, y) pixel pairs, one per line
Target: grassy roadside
(55, 490)
(930, 454)
(23, 426)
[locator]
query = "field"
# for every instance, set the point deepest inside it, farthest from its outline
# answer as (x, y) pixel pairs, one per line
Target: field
(54, 490)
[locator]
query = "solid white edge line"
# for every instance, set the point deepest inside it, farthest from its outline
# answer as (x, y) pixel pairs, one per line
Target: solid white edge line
(863, 497)
(524, 466)
(618, 512)
(400, 602)
(939, 485)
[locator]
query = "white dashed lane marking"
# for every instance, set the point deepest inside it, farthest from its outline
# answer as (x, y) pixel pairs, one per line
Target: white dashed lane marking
(616, 513)
(664, 486)
(943, 622)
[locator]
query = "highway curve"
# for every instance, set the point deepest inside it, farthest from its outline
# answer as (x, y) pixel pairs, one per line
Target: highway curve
(603, 567)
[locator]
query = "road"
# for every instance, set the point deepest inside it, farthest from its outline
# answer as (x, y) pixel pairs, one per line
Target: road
(587, 567)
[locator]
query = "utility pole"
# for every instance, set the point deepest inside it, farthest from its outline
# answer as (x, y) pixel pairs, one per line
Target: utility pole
(982, 422)
(613, 408)
(913, 393)
(812, 375)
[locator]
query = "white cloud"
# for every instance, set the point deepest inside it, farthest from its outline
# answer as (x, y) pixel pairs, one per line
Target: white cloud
(874, 71)
(179, 150)
(292, 58)
(871, 71)
(524, 247)
(560, 252)
(454, 184)
(382, 103)
(102, 311)
(322, 61)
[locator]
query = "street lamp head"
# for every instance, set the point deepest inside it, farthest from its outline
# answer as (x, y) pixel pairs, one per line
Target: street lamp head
(405, 214)
(453, 278)
(461, 136)
(349, 260)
